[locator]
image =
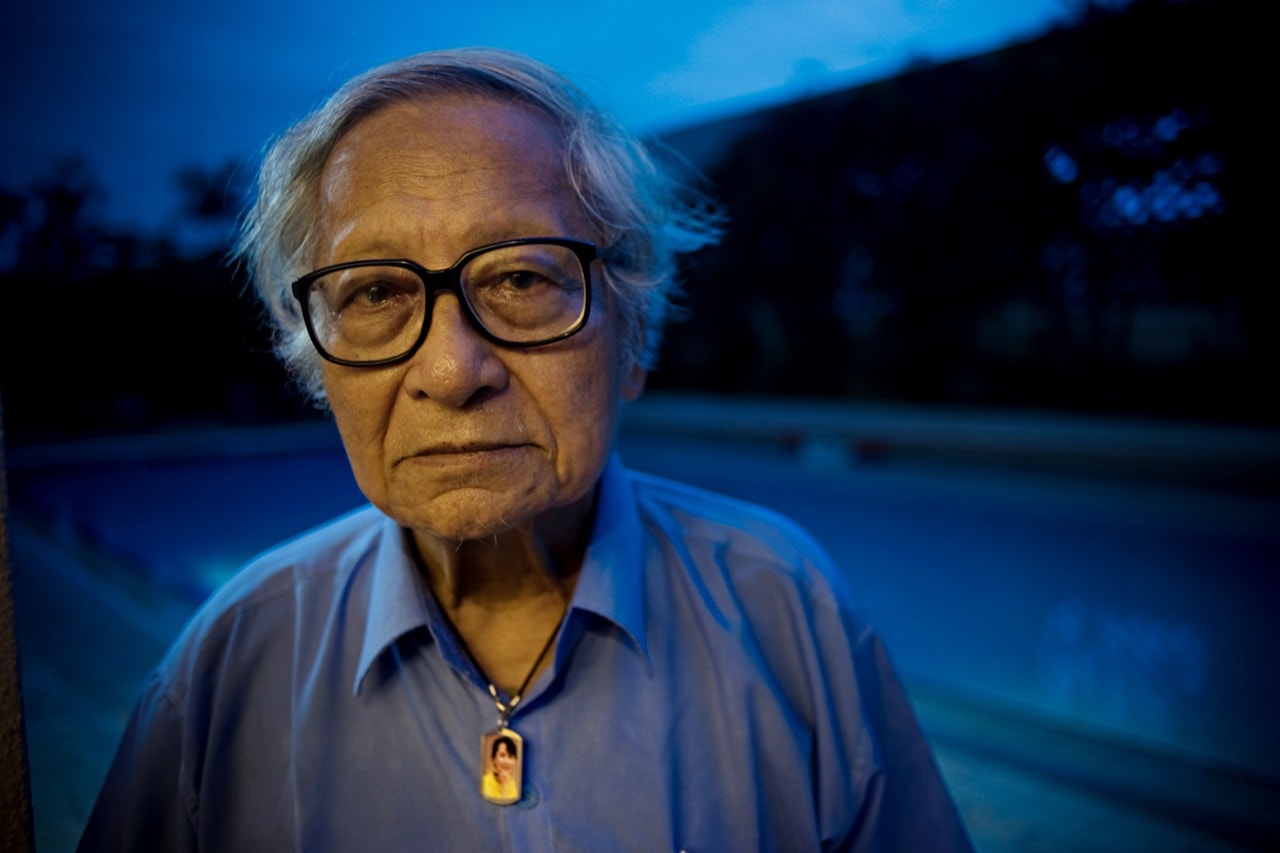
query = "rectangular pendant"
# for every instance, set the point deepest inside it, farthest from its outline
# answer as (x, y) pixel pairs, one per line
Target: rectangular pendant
(501, 766)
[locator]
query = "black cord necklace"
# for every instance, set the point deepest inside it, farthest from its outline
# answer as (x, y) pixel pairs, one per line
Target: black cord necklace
(502, 749)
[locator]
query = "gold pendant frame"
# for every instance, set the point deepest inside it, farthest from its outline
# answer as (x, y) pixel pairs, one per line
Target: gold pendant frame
(501, 766)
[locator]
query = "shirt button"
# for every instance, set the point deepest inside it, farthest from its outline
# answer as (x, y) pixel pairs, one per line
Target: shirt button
(529, 798)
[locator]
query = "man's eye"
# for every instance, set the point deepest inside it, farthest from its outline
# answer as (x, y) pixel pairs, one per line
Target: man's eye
(374, 294)
(527, 280)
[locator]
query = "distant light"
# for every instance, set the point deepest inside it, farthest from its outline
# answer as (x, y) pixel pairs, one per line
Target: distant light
(1208, 164)
(1128, 204)
(1122, 133)
(869, 184)
(1061, 165)
(1168, 127)
(1165, 199)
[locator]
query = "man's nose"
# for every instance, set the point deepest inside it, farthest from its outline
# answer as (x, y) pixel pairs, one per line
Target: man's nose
(455, 364)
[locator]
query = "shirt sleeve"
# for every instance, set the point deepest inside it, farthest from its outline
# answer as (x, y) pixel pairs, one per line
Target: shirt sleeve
(908, 806)
(144, 804)
(875, 782)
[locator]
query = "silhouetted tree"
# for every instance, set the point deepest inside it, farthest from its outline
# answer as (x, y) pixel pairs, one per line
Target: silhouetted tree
(1049, 224)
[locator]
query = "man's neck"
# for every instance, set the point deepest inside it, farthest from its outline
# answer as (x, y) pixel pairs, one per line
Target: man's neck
(506, 595)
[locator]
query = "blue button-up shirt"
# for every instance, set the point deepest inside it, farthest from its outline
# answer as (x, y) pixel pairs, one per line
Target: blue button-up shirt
(712, 689)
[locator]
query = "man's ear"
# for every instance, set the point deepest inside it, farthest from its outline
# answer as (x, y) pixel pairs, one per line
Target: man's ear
(633, 379)
(633, 370)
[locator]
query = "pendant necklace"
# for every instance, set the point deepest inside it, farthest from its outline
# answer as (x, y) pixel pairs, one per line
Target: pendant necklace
(502, 749)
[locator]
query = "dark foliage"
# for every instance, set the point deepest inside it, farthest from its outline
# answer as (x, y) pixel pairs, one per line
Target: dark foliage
(1064, 223)
(105, 332)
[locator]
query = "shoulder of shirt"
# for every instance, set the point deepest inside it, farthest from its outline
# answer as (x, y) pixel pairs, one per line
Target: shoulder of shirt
(753, 535)
(701, 513)
(321, 555)
(752, 565)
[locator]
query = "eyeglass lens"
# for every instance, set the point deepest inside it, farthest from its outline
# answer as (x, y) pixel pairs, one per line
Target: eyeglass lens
(521, 295)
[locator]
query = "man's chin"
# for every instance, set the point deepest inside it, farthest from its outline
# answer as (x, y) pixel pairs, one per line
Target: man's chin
(463, 515)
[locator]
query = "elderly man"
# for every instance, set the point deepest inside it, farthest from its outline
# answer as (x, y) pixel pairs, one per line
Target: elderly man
(471, 266)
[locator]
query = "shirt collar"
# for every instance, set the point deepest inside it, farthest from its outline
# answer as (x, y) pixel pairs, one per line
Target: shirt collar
(397, 597)
(610, 585)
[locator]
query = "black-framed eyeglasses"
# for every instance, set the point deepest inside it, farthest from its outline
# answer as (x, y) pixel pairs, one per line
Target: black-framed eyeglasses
(517, 293)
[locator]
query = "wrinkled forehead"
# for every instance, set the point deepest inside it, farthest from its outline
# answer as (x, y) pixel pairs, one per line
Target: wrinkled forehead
(449, 164)
(427, 119)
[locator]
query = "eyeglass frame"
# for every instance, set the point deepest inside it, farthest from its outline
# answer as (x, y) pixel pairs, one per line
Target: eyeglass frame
(450, 279)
